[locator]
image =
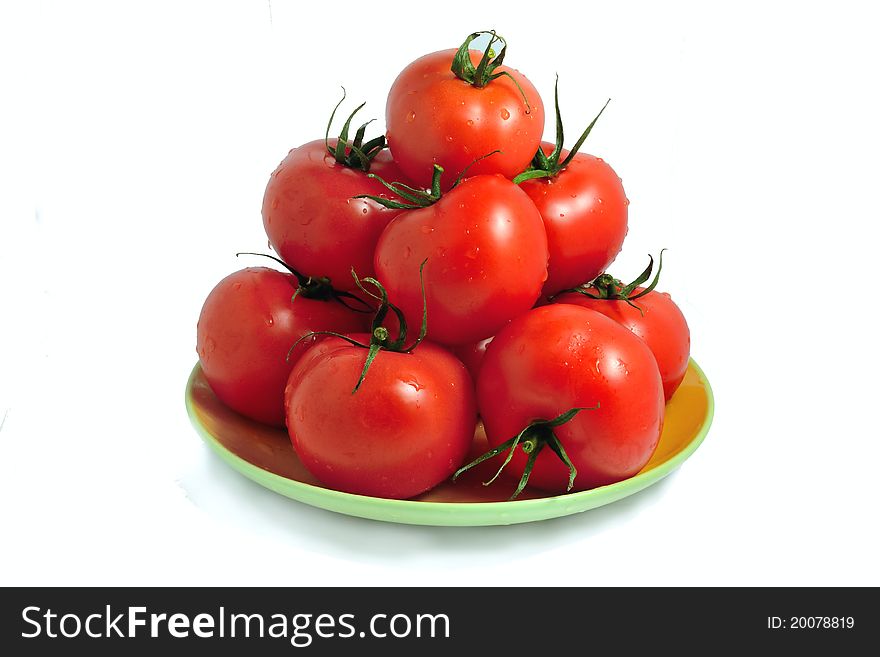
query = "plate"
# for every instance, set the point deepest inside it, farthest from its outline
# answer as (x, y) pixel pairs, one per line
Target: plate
(265, 455)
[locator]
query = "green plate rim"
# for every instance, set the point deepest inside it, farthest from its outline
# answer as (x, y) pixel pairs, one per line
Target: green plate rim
(459, 514)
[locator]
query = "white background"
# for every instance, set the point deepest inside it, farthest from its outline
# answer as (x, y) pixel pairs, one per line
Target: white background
(135, 143)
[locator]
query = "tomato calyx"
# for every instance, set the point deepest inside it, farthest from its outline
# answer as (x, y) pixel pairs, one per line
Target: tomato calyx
(380, 336)
(353, 154)
(317, 288)
(605, 286)
(484, 72)
(533, 439)
(547, 166)
(413, 198)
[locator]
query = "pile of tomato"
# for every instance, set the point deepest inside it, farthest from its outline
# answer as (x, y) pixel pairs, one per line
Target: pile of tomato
(447, 272)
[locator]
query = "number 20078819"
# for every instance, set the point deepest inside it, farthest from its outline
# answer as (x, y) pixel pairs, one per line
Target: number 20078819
(811, 623)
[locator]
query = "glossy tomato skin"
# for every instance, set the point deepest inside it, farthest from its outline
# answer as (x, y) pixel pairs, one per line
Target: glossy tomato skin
(314, 223)
(585, 212)
(472, 356)
(406, 429)
(559, 357)
(486, 253)
(660, 324)
(435, 118)
(247, 326)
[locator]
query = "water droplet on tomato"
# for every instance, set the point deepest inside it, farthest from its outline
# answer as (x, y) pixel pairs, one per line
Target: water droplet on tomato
(415, 385)
(427, 230)
(449, 139)
(275, 203)
(626, 202)
(270, 321)
(210, 345)
(236, 286)
(505, 114)
(470, 122)
(407, 252)
(472, 253)
(441, 252)
(410, 117)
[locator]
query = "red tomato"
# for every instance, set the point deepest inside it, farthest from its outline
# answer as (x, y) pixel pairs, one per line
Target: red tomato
(312, 221)
(486, 253)
(561, 357)
(657, 321)
(653, 316)
(584, 208)
(245, 330)
(435, 117)
(406, 429)
(585, 213)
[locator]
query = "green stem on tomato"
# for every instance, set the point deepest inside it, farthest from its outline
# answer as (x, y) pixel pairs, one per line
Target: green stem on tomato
(317, 288)
(380, 338)
(547, 166)
(484, 72)
(532, 439)
(354, 154)
(413, 198)
(606, 287)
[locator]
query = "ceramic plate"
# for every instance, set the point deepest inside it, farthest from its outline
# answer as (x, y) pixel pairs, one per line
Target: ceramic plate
(264, 454)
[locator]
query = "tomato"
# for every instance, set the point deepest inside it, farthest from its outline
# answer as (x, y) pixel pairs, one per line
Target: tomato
(486, 253)
(558, 358)
(653, 316)
(313, 222)
(584, 207)
(437, 116)
(472, 356)
(245, 330)
(309, 213)
(407, 427)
